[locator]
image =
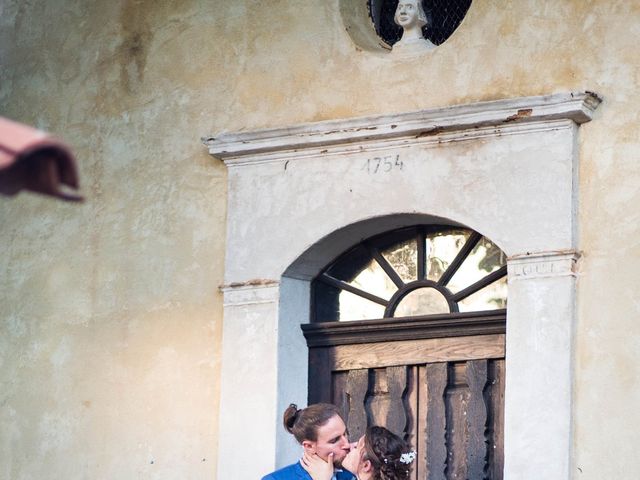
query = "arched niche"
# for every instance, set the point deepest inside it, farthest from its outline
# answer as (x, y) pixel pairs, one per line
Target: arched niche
(309, 263)
(371, 26)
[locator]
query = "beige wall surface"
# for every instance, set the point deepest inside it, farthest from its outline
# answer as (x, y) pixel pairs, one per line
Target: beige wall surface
(109, 311)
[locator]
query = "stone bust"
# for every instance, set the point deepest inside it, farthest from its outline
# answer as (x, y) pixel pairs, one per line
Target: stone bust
(411, 17)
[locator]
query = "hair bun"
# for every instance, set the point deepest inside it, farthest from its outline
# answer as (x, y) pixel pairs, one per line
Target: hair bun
(290, 416)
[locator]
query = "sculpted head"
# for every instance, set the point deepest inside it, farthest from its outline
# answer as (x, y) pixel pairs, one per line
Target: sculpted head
(410, 14)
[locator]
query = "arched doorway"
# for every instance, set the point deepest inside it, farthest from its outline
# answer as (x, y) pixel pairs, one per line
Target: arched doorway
(407, 331)
(296, 195)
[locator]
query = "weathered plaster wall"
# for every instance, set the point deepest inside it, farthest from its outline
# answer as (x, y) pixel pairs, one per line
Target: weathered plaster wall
(110, 313)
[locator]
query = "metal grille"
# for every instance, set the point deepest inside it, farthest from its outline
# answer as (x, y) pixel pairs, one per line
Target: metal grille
(444, 16)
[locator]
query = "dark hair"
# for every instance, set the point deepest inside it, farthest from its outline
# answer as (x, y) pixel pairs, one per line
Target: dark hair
(303, 424)
(384, 449)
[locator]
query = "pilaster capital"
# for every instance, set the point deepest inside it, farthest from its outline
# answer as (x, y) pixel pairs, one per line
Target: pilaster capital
(250, 292)
(530, 265)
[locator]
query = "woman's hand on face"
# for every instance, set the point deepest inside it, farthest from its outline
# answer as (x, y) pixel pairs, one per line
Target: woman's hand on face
(316, 467)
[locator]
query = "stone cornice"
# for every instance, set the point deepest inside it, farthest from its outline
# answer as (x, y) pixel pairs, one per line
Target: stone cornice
(250, 293)
(542, 264)
(454, 123)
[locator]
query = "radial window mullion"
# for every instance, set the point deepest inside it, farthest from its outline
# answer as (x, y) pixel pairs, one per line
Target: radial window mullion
(386, 266)
(350, 288)
(412, 266)
(480, 284)
(422, 263)
(460, 258)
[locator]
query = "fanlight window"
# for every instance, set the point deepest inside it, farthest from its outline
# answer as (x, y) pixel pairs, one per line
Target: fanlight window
(418, 271)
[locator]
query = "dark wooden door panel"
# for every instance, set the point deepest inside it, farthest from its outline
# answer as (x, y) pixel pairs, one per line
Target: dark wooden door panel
(450, 412)
(357, 387)
(494, 393)
(432, 447)
(476, 448)
(413, 352)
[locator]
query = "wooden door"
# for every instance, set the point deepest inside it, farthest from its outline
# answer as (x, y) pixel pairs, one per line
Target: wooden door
(443, 395)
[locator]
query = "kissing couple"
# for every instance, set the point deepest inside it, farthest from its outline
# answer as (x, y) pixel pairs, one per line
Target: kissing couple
(327, 454)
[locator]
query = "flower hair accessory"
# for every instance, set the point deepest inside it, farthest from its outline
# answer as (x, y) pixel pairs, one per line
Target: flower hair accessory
(408, 457)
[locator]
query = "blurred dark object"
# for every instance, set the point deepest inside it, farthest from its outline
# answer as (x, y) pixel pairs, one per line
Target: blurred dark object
(32, 160)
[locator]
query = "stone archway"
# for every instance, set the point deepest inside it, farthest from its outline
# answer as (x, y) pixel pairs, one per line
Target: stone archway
(504, 168)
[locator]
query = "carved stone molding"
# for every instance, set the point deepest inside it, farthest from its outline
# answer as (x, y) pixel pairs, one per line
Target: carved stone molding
(460, 122)
(250, 293)
(542, 264)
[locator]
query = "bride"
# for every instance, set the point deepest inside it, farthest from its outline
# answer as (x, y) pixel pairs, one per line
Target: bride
(378, 455)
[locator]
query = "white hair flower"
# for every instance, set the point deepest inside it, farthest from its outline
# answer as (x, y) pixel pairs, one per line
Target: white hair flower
(408, 457)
